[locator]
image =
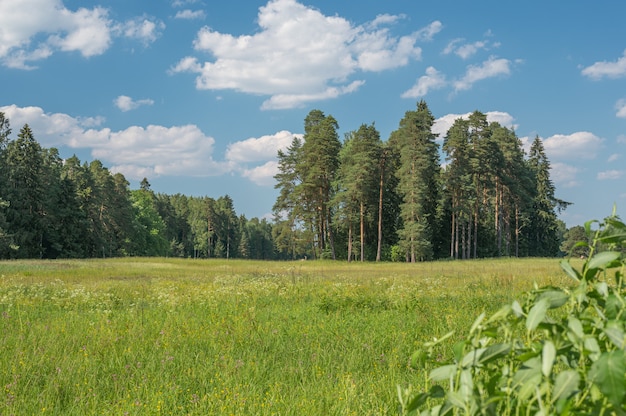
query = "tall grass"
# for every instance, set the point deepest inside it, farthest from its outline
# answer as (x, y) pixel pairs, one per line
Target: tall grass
(170, 336)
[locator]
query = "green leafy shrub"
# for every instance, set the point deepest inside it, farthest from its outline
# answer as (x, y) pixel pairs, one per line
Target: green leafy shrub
(561, 351)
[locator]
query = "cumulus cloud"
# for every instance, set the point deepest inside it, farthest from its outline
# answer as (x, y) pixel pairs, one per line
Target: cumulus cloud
(606, 69)
(614, 157)
(142, 29)
(431, 81)
(428, 33)
(564, 175)
(465, 50)
(125, 103)
(136, 151)
(259, 149)
(262, 175)
(620, 106)
(263, 150)
(182, 3)
(299, 55)
(32, 30)
(610, 175)
(190, 14)
(443, 124)
(385, 19)
(154, 150)
(579, 145)
(490, 68)
(285, 101)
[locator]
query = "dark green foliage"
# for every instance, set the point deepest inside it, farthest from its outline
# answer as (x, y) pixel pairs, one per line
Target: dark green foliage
(357, 198)
(24, 189)
(576, 243)
(560, 351)
(543, 233)
(418, 185)
(366, 200)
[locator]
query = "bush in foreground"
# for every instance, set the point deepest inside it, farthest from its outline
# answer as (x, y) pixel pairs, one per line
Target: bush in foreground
(562, 351)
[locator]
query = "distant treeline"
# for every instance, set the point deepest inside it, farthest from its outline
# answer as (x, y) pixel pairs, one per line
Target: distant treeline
(362, 198)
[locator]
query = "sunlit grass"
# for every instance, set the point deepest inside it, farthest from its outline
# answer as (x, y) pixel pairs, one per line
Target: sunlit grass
(172, 336)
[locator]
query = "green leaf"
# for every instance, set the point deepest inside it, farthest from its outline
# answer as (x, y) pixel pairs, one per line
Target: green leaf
(603, 260)
(556, 298)
(565, 385)
(615, 333)
(570, 271)
(575, 333)
(536, 314)
(477, 322)
(613, 306)
(437, 392)
(548, 354)
(592, 347)
(418, 359)
(466, 386)
(417, 401)
(493, 352)
(602, 288)
(517, 309)
(442, 373)
(456, 399)
(472, 357)
(608, 374)
(503, 312)
(529, 386)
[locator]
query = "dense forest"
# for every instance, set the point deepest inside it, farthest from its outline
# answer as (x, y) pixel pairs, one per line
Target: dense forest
(360, 199)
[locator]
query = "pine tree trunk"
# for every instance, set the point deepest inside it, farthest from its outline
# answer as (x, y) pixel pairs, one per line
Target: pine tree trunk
(362, 230)
(452, 241)
(349, 241)
(379, 247)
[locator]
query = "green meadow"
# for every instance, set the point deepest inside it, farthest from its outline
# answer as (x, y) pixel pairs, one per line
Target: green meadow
(137, 336)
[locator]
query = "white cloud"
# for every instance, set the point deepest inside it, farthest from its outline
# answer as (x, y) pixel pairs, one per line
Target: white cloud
(85, 30)
(299, 55)
(564, 175)
(142, 29)
(32, 30)
(190, 14)
(181, 3)
(614, 157)
(431, 81)
(465, 50)
(176, 150)
(262, 175)
(579, 145)
(259, 149)
(610, 175)
(385, 19)
(427, 33)
(285, 101)
(135, 151)
(620, 106)
(139, 152)
(488, 69)
(443, 124)
(125, 103)
(469, 49)
(603, 69)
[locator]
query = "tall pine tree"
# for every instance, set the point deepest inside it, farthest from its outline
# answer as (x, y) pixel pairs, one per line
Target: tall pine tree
(418, 182)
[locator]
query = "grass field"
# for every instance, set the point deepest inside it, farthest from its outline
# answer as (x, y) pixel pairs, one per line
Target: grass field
(168, 336)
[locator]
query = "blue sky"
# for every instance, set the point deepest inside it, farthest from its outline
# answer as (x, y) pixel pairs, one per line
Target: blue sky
(198, 96)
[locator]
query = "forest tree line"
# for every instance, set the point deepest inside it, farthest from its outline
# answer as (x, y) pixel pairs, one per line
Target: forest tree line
(363, 198)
